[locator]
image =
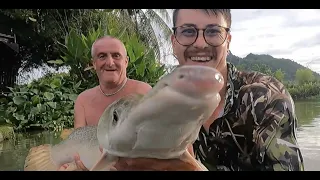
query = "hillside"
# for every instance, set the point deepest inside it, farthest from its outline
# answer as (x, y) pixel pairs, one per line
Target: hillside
(288, 66)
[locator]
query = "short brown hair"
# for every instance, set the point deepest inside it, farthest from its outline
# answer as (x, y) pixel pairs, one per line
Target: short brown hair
(226, 13)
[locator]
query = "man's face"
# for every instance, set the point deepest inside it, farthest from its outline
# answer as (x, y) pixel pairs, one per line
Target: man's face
(110, 60)
(200, 52)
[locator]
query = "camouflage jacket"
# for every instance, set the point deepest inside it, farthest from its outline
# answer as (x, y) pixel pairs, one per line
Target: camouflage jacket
(257, 130)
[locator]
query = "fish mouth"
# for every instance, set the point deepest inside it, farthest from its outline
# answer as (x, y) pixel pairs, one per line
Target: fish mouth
(192, 96)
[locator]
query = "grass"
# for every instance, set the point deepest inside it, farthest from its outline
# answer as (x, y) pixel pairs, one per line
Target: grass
(6, 132)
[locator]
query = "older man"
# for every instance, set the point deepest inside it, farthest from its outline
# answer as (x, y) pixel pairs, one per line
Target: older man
(110, 61)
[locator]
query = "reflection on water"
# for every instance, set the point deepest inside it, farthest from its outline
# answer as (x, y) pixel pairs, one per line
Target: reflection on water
(13, 152)
(308, 113)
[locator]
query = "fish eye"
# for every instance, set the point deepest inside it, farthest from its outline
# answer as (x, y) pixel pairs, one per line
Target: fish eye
(115, 117)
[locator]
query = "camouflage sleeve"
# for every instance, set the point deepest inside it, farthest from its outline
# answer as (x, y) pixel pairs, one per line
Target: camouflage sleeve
(275, 132)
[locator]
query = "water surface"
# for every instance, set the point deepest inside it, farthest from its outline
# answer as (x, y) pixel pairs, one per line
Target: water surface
(13, 153)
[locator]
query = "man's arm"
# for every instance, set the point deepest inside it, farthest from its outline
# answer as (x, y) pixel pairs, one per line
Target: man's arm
(275, 137)
(79, 114)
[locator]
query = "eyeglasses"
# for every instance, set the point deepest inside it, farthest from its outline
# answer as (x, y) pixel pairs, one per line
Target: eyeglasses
(214, 35)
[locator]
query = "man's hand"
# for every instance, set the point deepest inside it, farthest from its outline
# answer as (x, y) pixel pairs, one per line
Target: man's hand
(148, 164)
(76, 166)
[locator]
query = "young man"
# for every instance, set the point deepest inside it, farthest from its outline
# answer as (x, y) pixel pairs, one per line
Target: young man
(254, 126)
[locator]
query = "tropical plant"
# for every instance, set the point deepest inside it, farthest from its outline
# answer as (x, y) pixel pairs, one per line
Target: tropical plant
(148, 23)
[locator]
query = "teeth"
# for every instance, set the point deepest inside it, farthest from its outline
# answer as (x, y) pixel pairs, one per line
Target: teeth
(200, 58)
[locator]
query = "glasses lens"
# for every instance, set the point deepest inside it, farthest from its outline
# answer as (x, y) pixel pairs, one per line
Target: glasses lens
(214, 35)
(186, 35)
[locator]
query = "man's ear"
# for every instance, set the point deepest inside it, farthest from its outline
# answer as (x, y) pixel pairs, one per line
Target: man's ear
(229, 40)
(173, 42)
(127, 59)
(93, 63)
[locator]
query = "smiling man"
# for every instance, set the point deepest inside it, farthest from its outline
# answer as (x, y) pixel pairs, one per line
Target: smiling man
(254, 126)
(110, 61)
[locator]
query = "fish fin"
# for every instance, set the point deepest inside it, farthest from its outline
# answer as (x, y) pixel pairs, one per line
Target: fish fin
(187, 157)
(105, 163)
(39, 159)
(65, 133)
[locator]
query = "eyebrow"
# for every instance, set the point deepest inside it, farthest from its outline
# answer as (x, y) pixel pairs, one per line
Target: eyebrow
(208, 25)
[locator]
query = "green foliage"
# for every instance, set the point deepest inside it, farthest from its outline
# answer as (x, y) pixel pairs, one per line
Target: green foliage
(279, 74)
(48, 102)
(38, 30)
(263, 68)
(142, 65)
(304, 91)
(304, 75)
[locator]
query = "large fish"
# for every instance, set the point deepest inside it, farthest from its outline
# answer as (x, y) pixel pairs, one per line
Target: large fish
(160, 124)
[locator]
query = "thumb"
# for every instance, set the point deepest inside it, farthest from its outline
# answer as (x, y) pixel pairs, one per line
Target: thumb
(100, 148)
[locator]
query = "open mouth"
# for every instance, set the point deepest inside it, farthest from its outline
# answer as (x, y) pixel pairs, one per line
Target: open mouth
(201, 59)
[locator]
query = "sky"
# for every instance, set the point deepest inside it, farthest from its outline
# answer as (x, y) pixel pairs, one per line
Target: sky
(282, 33)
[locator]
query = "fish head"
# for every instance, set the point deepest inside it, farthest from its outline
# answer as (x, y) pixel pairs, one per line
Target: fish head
(187, 93)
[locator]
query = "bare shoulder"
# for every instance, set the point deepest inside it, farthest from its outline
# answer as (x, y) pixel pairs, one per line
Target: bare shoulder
(140, 86)
(86, 94)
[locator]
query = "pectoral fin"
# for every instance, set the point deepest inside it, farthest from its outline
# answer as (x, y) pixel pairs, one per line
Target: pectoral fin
(105, 163)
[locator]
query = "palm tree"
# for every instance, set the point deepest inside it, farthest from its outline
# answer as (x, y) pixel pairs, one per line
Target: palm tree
(151, 25)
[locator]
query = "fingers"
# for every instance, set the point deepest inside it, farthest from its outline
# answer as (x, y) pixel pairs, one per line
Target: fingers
(69, 167)
(100, 148)
(150, 164)
(63, 167)
(79, 163)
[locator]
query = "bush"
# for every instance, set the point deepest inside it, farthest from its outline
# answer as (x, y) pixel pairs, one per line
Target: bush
(46, 103)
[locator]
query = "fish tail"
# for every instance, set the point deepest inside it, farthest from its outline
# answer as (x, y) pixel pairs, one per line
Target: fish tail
(39, 159)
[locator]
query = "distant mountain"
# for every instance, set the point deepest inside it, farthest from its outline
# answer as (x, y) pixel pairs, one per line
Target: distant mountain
(288, 66)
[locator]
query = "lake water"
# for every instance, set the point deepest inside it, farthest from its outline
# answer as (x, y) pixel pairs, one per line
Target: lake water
(13, 153)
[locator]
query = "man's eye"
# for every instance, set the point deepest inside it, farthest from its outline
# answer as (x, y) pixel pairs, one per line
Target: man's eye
(116, 56)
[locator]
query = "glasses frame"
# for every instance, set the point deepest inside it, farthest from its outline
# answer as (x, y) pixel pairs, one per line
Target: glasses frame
(203, 30)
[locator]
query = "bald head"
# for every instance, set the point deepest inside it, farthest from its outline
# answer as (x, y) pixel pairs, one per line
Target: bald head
(108, 39)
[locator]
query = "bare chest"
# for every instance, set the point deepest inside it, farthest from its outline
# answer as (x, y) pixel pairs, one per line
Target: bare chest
(95, 107)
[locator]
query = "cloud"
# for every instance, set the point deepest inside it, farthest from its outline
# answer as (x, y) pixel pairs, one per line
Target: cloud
(308, 42)
(282, 33)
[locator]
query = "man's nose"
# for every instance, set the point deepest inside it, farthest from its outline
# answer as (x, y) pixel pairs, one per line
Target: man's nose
(200, 41)
(109, 61)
